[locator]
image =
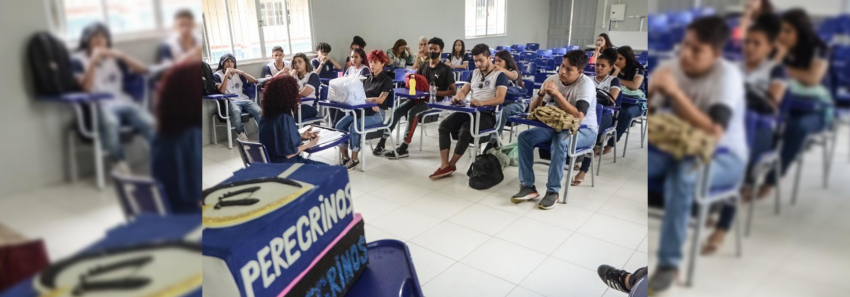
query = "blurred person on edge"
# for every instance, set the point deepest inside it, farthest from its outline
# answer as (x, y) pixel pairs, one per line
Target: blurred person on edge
(183, 44)
(704, 90)
(176, 150)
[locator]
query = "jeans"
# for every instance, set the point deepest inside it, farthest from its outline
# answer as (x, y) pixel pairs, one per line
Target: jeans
(627, 113)
(458, 123)
(308, 111)
(510, 109)
(797, 130)
(679, 190)
(557, 149)
(762, 143)
(112, 115)
(607, 121)
(411, 110)
(239, 106)
(345, 124)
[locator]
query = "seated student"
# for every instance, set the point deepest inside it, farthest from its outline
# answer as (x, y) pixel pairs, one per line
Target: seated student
(323, 64)
(505, 63)
(356, 43)
(764, 80)
(357, 64)
(183, 44)
(631, 74)
(458, 59)
(423, 56)
(573, 92)
(608, 83)
(101, 69)
(176, 149)
(602, 43)
(399, 56)
(277, 66)
(230, 80)
(438, 73)
(308, 81)
(278, 130)
(705, 90)
(487, 87)
(377, 86)
(805, 57)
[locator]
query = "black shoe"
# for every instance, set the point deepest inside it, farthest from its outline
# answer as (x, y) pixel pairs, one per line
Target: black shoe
(400, 152)
(614, 278)
(548, 201)
(525, 194)
(345, 161)
(662, 279)
(379, 149)
(351, 164)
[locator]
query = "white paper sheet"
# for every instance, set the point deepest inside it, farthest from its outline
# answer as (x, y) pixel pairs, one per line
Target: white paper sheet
(325, 135)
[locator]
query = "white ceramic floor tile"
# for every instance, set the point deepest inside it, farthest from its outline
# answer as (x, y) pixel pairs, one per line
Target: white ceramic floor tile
(625, 209)
(374, 234)
(523, 292)
(439, 205)
(504, 260)
(401, 192)
(428, 264)
(460, 188)
(564, 216)
(614, 230)
(451, 240)
(483, 219)
(589, 252)
(637, 260)
(461, 280)
(555, 278)
(503, 202)
(405, 223)
(372, 207)
(535, 235)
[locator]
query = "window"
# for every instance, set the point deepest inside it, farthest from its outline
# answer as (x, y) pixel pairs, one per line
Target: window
(251, 28)
(122, 16)
(485, 18)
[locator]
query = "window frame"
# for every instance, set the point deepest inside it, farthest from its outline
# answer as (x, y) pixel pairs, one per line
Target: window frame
(487, 21)
(57, 23)
(264, 55)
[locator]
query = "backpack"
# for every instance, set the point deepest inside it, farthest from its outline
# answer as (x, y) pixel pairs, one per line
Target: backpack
(207, 82)
(50, 64)
(604, 97)
(485, 172)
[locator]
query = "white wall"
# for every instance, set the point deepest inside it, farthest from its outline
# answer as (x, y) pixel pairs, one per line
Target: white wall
(624, 32)
(33, 150)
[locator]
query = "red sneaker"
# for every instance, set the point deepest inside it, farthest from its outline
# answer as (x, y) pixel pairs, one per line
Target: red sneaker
(443, 172)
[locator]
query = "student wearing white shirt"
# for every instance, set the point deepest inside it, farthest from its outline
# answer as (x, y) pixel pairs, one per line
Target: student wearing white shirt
(358, 64)
(278, 65)
(230, 80)
(101, 69)
(574, 93)
(183, 44)
(487, 87)
(458, 59)
(308, 81)
(706, 91)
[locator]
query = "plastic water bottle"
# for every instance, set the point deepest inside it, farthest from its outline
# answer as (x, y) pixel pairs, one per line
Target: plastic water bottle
(433, 91)
(412, 86)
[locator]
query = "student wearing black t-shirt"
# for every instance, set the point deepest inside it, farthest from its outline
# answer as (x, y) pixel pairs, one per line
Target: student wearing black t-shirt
(437, 73)
(631, 74)
(378, 87)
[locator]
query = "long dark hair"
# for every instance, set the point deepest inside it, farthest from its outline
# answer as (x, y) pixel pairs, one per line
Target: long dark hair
(179, 91)
(398, 44)
(509, 62)
(90, 31)
(607, 40)
(281, 96)
(807, 40)
(362, 54)
(307, 67)
(632, 65)
(462, 51)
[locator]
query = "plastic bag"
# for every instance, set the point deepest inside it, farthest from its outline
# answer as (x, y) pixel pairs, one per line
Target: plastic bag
(512, 151)
(347, 90)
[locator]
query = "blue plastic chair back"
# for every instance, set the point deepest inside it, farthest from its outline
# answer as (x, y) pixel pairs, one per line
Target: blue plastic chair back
(750, 123)
(527, 56)
(540, 77)
(518, 48)
(252, 153)
(141, 195)
(444, 56)
(515, 57)
(400, 74)
(465, 75)
(532, 47)
(544, 54)
(559, 51)
(541, 62)
(502, 47)
(323, 92)
(134, 85)
(529, 87)
(598, 115)
(249, 90)
(529, 69)
(557, 60)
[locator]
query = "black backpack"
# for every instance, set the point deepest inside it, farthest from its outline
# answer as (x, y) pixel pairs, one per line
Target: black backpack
(50, 64)
(485, 172)
(207, 81)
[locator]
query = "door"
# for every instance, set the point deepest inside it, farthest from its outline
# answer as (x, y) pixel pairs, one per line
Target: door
(582, 28)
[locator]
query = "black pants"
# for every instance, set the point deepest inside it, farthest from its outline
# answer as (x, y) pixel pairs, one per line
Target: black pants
(458, 124)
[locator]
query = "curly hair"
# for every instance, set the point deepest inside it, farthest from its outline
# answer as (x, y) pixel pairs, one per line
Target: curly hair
(281, 96)
(324, 47)
(378, 54)
(179, 91)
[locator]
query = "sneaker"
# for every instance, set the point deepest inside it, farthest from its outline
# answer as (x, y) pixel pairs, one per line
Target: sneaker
(548, 201)
(442, 172)
(400, 152)
(351, 164)
(122, 168)
(614, 278)
(662, 279)
(345, 161)
(525, 194)
(242, 136)
(379, 149)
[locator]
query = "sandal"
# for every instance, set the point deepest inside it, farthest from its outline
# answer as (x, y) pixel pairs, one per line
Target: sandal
(714, 242)
(576, 181)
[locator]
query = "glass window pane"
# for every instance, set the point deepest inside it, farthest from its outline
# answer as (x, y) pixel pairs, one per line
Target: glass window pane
(302, 38)
(469, 24)
(245, 29)
(170, 7)
(80, 13)
(275, 29)
(481, 18)
(496, 17)
(130, 15)
(216, 31)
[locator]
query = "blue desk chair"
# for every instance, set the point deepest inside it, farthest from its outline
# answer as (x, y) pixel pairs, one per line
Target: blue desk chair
(610, 132)
(571, 48)
(559, 51)
(529, 95)
(478, 134)
(539, 78)
(765, 163)
(528, 56)
(360, 109)
(519, 48)
(139, 195)
(636, 120)
(444, 56)
(222, 114)
(529, 69)
(252, 152)
(544, 54)
(533, 47)
(557, 61)
(502, 47)
(822, 138)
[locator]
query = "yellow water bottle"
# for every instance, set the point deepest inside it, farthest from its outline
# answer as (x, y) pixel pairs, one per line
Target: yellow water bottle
(412, 83)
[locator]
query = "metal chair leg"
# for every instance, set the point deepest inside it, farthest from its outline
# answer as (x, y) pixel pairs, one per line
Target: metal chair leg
(421, 136)
(755, 185)
(98, 162)
(777, 164)
(643, 127)
(797, 179)
(569, 176)
(215, 139)
(615, 146)
(692, 262)
(739, 238)
(592, 177)
(229, 135)
(626, 145)
(72, 157)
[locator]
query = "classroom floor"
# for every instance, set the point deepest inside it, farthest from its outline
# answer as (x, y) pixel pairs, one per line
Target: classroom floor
(800, 252)
(466, 242)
